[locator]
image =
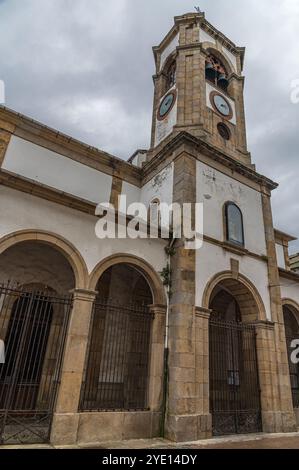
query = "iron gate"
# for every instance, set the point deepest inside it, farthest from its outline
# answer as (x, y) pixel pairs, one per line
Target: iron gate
(234, 383)
(292, 333)
(294, 371)
(117, 369)
(33, 328)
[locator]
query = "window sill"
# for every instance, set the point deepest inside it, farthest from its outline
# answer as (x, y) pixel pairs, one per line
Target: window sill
(239, 250)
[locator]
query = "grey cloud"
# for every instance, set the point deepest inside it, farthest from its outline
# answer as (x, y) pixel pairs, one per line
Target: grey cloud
(86, 68)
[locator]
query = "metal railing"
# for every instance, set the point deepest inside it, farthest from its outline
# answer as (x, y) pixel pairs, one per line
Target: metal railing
(234, 381)
(33, 327)
(117, 368)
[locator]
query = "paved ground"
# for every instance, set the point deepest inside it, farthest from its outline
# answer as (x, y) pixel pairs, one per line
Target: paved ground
(254, 441)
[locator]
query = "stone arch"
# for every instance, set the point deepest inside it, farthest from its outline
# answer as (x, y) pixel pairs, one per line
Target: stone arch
(167, 65)
(56, 241)
(293, 306)
(242, 290)
(168, 61)
(210, 47)
(153, 279)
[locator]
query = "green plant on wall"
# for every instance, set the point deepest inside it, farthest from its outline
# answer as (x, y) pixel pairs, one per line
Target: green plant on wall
(166, 272)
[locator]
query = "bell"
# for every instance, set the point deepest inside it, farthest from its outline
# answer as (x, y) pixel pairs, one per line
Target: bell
(210, 72)
(223, 81)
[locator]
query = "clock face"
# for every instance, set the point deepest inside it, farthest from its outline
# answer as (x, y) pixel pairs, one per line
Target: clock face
(166, 105)
(221, 105)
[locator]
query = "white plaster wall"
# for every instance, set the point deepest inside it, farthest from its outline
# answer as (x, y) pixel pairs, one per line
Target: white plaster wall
(131, 192)
(211, 259)
(54, 170)
(280, 256)
(205, 37)
(289, 289)
(165, 127)
(19, 211)
(231, 57)
(160, 187)
(169, 50)
(209, 89)
(213, 190)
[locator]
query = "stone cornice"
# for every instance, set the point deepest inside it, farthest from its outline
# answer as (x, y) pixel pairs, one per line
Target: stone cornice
(219, 36)
(59, 197)
(289, 274)
(204, 313)
(235, 249)
(44, 136)
(184, 138)
(264, 325)
(39, 190)
(208, 27)
(283, 238)
(40, 134)
(165, 41)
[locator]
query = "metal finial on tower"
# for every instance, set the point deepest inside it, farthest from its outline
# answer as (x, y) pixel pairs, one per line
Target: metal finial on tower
(198, 9)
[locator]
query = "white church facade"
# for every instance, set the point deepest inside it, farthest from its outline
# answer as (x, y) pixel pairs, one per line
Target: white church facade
(110, 339)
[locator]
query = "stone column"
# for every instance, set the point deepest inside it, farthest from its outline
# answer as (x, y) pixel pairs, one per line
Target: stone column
(202, 318)
(66, 417)
(156, 373)
(284, 417)
(156, 370)
(183, 421)
(268, 374)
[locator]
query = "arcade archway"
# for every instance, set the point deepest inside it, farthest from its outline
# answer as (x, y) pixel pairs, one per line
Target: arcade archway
(234, 382)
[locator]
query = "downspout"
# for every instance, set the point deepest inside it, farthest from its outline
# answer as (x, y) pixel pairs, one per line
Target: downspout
(166, 344)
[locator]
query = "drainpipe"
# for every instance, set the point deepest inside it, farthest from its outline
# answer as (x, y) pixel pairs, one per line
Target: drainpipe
(166, 348)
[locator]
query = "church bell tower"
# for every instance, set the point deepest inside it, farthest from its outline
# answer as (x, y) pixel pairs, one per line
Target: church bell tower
(198, 88)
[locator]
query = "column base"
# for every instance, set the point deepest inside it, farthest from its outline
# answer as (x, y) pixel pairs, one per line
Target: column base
(188, 428)
(296, 411)
(279, 422)
(64, 429)
(96, 427)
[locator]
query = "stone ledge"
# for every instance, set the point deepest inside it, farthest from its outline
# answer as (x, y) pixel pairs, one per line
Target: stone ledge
(95, 427)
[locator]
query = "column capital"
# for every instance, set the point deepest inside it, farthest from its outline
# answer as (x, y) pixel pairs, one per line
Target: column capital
(158, 309)
(203, 312)
(84, 294)
(263, 325)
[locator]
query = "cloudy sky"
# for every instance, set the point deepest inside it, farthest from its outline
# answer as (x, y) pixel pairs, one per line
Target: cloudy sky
(85, 67)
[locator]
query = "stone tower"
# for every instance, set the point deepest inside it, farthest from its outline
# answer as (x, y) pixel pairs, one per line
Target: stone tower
(199, 128)
(199, 87)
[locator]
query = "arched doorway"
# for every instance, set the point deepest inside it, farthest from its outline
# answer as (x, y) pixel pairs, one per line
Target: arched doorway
(34, 310)
(117, 368)
(234, 382)
(291, 316)
(28, 329)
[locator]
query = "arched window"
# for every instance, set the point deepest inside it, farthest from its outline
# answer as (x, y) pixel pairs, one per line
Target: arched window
(234, 224)
(216, 72)
(171, 76)
(154, 216)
